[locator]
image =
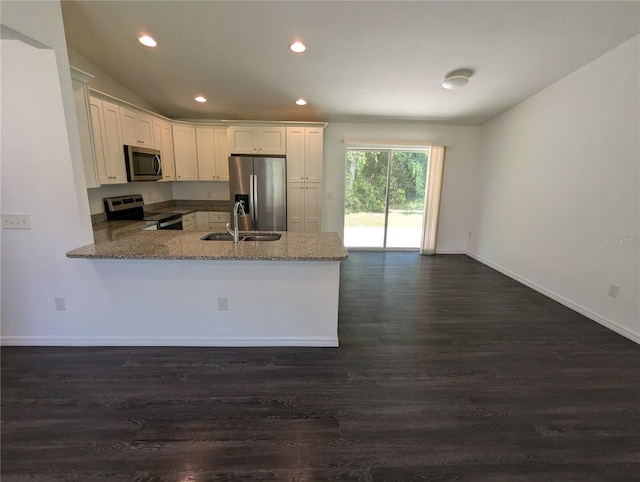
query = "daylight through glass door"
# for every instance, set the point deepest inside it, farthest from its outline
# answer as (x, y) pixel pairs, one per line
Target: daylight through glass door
(384, 198)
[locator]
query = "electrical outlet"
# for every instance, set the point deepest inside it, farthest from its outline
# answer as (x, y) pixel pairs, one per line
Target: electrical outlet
(329, 195)
(61, 305)
(209, 195)
(223, 303)
(16, 221)
(613, 291)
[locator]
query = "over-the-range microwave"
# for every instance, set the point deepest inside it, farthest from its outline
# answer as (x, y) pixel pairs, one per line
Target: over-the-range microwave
(143, 164)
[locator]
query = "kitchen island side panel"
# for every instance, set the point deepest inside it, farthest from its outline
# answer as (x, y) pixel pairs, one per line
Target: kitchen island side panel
(176, 303)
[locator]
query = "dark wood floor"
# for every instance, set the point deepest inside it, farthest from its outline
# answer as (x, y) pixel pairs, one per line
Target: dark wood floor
(447, 370)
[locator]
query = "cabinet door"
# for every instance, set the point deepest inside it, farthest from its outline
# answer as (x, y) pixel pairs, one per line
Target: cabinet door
(113, 145)
(163, 141)
(144, 131)
(295, 207)
(185, 153)
(206, 154)
(83, 113)
(313, 154)
(202, 220)
(221, 143)
(128, 121)
(243, 140)
(312, 207)
(189, 222)
(295, 154)
(97, 123)
(272, 140)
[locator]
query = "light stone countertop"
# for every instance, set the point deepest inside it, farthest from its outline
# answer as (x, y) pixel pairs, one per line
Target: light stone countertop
(126, 240)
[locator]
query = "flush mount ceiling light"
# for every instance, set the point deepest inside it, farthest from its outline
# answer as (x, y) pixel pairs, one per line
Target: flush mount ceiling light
(297, 47)
(301, 102)
(200, 99)
(456, 80)
(147, 41)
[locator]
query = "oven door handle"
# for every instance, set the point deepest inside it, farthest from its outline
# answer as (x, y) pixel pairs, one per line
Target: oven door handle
(171, 222)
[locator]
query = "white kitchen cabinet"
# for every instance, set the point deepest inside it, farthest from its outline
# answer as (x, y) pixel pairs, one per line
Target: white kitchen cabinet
(79, 81)
(304, 207)
(137, 128)
(206, 153)
(185, 153)
(108, 145)
(212, 221)
(222, 153)
(189, 222)
(163, 141)
(262, 140)
(304, 154)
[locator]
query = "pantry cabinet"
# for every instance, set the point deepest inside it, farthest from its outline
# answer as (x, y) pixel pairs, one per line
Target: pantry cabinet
(163, 141)
(264, 140)
(304, 178)
(107, 138)
(137, 128)
(304, 207)
(304, 154)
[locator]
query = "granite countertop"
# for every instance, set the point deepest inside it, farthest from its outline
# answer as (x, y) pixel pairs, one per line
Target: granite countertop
(127, 240)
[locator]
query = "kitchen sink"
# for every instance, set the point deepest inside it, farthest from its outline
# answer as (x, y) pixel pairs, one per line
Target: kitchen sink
(217, 237)
(243, 237)
(262, 237)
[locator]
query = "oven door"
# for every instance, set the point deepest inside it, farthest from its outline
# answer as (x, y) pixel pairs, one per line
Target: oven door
(171, 223)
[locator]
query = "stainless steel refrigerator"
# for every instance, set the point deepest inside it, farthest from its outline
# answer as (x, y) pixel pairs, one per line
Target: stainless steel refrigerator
(260, 184)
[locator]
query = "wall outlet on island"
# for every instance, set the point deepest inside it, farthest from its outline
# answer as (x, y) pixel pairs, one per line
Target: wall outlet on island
(223, 303)
(209, 195)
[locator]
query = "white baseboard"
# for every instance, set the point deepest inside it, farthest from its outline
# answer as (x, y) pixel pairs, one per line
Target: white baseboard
(450, 251)
(166, 341)
(607, 323)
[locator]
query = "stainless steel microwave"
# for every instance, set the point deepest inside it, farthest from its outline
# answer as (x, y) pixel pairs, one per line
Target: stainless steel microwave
(143, 164)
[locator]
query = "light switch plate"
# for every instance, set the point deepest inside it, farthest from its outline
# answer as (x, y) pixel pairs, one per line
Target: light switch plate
(16, 221)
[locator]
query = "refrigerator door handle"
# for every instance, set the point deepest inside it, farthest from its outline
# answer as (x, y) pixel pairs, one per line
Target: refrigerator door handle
(255, 202)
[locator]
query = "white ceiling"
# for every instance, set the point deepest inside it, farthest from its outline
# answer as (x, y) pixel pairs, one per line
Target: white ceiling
(364, 60)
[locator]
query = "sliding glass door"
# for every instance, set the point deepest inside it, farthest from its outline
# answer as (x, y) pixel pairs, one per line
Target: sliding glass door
(384, 198)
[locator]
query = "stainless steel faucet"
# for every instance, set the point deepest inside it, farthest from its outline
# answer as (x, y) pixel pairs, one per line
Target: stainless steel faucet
(238, 206)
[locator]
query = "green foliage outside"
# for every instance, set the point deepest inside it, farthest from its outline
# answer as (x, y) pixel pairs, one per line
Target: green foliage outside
(366, 181)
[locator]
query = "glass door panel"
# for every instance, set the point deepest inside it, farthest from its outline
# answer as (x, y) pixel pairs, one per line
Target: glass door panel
(365, 198)
(407, 182)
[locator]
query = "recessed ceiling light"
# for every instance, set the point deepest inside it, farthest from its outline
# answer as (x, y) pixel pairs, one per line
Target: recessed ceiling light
(301, 102)
(200, 99)
(297, 47)
(148, 41)
(456, 80)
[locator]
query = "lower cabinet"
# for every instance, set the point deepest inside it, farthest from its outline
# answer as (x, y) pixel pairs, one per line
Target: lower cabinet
(212, 221)
(304, 207)
(189, 222)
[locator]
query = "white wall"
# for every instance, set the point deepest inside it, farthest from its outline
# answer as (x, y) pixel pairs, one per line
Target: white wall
(104, 82)
(559, 201)
(42, 21)
(201, 190)
(459, 175)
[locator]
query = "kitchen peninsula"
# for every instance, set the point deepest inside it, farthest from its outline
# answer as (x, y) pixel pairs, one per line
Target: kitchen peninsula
(177, 289)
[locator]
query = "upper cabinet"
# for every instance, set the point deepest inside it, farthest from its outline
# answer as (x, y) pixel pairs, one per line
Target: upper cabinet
(262, 140)
(201, 153)
(304, 154)
(79, 81)
(107, 136)
(185, 153)
(137, 128)
(163, 141)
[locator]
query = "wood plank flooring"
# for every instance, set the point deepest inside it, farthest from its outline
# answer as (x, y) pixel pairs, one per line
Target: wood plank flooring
(447, 370)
